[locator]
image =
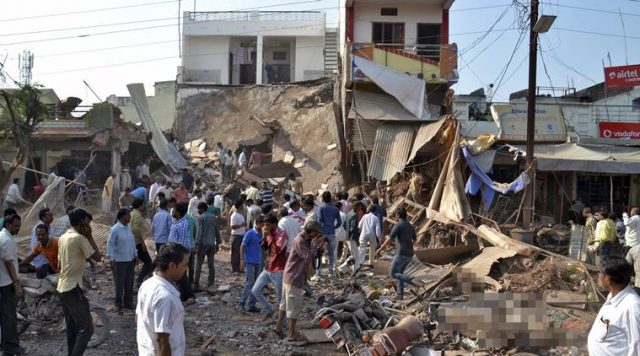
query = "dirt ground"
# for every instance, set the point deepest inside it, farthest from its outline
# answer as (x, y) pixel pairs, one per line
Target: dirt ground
(216, 314)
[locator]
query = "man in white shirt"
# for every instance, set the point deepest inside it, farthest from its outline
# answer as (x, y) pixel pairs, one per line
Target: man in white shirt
(125, 179)
(616, 330)
(154, 189)
(167, 190)
(290, 225)
(197, 198)
(371, 232)
(242, 159)
(252, 192)
(238, 228)
(159, 313)
(13, 196)
(10, 288)
(632, 225)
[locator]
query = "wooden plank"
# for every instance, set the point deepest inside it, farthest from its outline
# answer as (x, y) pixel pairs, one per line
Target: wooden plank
(565, 299)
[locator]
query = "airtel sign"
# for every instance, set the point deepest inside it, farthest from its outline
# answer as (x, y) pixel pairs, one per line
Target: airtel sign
(623, 76)
(628, 130)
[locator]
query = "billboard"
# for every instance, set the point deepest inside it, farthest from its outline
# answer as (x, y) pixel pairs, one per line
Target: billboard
(629, 130)
(512, 122)
(623, 76)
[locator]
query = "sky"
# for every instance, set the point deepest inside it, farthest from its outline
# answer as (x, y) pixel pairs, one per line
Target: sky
(110, 44)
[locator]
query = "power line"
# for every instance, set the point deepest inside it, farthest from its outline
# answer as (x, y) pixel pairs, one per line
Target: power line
(597, 33)
(480, 8)
(593, 10)
(87, 11)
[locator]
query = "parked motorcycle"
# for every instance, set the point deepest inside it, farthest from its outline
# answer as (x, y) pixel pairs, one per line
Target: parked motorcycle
(40, 305)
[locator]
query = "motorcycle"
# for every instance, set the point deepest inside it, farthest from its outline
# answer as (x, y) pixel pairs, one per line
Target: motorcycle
(41, 306)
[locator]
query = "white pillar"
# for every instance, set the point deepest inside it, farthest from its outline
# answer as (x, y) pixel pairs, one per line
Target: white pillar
(259, 66)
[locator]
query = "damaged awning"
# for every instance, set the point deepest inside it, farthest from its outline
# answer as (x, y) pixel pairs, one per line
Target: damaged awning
(364, 134)
(573, 157)
(167, 153)
(376, 106)
(425, 134)
(390, 150)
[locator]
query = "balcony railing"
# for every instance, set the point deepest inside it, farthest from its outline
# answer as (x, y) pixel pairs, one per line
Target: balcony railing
(430, 61)
(256, 16)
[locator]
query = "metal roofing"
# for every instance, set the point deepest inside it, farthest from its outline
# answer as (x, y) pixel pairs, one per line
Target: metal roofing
(63, 133)
(390, 150)
(426, 133)
(167, 152)
(364, 134)
(374, 106)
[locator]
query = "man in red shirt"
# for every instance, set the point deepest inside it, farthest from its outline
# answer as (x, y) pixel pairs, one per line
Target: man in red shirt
(275, 240)
(256, 158)
(181, 194)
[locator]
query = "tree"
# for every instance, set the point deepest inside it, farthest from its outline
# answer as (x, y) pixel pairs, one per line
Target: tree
(20, 112)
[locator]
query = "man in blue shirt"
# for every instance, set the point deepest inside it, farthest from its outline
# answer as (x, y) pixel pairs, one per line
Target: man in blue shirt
(121, 252)
(380, 211)
(329, 218)
(180, 234)
(161, 225)
(250, 259)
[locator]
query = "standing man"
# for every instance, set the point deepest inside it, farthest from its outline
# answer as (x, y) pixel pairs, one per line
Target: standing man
(275, 240)
(125, 199)
(181, 194)
(40, 261)
(404, 235)
(238, 228)
(290, 225)
(153, 190)
(125, 179)
(222, 154)
(187, 179)
(161, 224)
(194, 202)
(329, 218)
(253, 211)
(632, 223)
(180, 234)
(159, 313)
(242, 159)
(10, 288)
(380, 211)
(304, 249)
(107, 193)
(137, 228)
(353, 234)
(370, 231)
(266, 193)
(167, 190)
(13, 196)
(61, 224)
(605, 236)
(257, 157)
(207, 244)
(75, 247)
(230, 164)
(252, 192)
(616, 329)
(250, 260)
(121, 252)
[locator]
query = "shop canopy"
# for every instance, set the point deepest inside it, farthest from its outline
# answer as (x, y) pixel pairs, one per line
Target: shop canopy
(573, 157)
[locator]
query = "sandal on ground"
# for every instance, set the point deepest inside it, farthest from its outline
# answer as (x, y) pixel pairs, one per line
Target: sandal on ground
(278, 333)
(297, 338)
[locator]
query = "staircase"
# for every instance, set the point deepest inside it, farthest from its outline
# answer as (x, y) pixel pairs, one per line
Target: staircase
(330, 51)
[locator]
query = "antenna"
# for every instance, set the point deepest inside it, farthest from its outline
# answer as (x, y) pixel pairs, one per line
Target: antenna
(94, 93)
(26, 65)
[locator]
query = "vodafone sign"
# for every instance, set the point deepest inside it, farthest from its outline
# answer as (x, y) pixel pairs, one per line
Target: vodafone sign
(623, 76)
(627, 130)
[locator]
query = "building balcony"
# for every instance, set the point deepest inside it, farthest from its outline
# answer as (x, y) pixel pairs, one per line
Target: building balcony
(434, 63)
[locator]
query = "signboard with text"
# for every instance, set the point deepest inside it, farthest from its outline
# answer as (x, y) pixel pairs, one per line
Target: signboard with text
(622, 76)
(512, 122)
(630, 130)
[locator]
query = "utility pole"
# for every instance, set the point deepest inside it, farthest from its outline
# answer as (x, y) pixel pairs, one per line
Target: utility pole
(530, 201)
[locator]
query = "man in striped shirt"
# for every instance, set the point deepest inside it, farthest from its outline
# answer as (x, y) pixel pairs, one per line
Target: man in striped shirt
(266, 193)
(180, 234)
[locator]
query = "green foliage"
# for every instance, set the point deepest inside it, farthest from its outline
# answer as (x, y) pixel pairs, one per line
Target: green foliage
(25, 107)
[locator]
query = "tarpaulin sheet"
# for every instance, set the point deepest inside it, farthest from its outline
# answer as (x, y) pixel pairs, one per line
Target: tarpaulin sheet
(410, 91)
(480, 181)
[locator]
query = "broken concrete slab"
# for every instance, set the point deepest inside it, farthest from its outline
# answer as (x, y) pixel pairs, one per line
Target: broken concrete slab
(288, 157)
(315, 336)
(332, 146)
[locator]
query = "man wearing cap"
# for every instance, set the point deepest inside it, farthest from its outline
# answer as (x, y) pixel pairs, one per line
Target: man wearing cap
(304, 249)
(121, 252)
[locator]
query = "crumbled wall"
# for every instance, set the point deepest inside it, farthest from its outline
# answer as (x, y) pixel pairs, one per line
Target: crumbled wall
(301, 114)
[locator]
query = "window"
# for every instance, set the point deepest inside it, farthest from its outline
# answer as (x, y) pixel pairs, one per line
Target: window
(388, 32)
(389, 11)
(635, 104)
(280, 56)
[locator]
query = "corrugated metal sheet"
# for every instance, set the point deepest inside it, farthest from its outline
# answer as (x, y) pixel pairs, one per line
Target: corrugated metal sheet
(165, 151)
(374, 106)
(390, 150)
(368, 129)
(426, 132)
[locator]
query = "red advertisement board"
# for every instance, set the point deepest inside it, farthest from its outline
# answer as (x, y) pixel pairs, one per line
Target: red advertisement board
(623, 76)
(620, 130)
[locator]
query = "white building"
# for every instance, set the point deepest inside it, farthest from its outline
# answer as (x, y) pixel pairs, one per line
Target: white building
(252, 47)
(162, 105)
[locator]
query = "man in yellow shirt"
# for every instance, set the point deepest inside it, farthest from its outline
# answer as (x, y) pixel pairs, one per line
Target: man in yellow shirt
(605, 235)
(75, 247)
